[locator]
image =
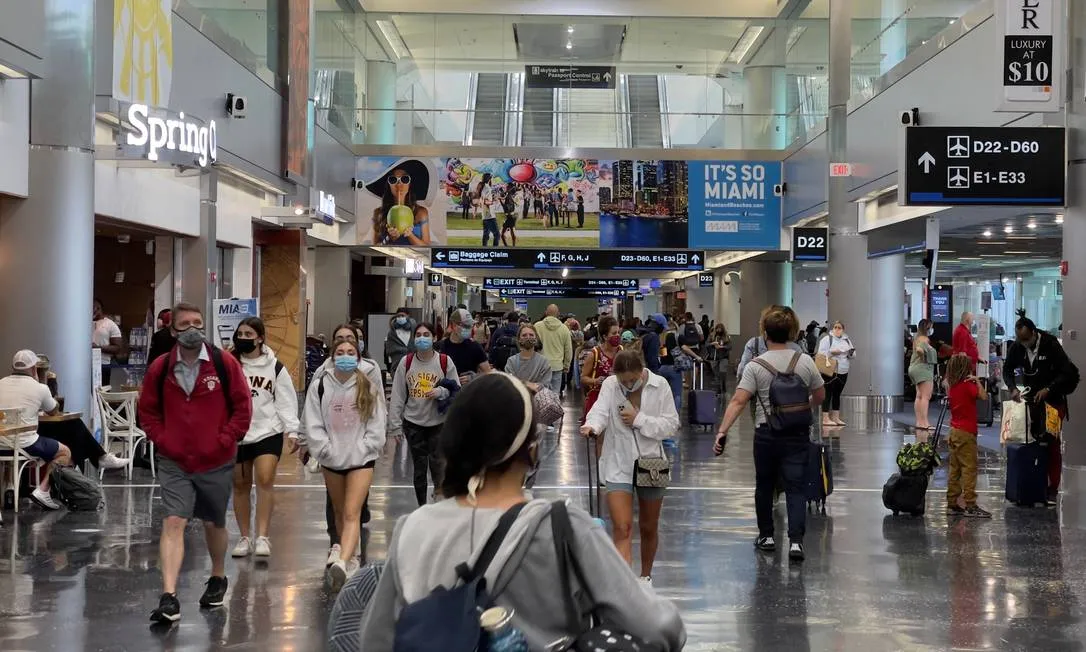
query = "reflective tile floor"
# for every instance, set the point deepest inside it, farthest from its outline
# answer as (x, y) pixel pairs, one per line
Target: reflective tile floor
(872, 582)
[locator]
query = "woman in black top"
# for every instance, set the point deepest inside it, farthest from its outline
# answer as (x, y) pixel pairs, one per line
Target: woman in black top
(580, 210)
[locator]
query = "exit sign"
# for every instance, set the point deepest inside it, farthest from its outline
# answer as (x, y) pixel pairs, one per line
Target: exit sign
(840, 169)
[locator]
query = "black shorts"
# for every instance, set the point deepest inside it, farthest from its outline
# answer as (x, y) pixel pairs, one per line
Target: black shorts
(268, 446)
(509, 223)
(367, 465)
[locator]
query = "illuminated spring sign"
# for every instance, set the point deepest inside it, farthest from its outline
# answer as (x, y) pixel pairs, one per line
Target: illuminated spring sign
(180, 135)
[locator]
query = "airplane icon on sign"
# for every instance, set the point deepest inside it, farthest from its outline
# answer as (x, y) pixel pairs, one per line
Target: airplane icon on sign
(957, 146)
(957, 177)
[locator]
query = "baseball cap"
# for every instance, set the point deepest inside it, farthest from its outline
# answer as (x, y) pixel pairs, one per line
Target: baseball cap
(628, 336)
(461, 315)
(25, 359)
(659, 319)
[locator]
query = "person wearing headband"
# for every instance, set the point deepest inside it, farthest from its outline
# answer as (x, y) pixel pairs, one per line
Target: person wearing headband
(488, 455)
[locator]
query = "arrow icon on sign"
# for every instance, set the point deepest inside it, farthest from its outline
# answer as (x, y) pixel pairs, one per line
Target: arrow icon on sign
(695, 259)
(926, 161)
(541, 257)
(440, 255)
(607, 76)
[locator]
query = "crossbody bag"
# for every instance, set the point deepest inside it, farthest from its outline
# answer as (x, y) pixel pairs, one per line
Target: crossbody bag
(653, 471)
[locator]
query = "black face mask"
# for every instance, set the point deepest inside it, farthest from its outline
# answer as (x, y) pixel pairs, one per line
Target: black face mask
(243, 346)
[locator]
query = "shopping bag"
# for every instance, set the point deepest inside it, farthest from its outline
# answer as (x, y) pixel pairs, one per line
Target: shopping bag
(1012, 427)
(1053, 421)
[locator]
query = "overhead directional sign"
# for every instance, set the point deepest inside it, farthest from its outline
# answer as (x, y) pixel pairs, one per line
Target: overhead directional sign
(435, 280)
(623, 284)
(547, 258)
(560, 292)
(988, 166)
(705, 280)
(569, 76)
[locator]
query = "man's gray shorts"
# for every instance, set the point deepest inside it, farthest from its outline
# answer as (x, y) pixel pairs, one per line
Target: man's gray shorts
(196, 495)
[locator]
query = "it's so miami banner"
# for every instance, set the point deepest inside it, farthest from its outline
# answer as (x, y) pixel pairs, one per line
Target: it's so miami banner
(733, 205)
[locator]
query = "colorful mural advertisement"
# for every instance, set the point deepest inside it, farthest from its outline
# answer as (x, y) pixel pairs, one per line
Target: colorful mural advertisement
(522, 202)
(569, 203)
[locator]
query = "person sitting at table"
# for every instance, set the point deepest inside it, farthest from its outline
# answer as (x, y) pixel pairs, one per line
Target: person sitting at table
(22, 391)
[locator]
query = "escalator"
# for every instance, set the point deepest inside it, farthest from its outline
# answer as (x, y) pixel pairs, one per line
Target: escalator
(646, 128)
(488, 127)
(537, 128)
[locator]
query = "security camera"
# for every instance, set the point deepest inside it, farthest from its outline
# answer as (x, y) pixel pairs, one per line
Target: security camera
(910, 117)
(779, 189)
(236, 105)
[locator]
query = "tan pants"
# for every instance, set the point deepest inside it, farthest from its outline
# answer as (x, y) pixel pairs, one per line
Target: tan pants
(962, 477)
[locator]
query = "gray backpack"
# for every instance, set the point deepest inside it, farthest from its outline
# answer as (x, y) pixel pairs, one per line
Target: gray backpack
(789, 406)
(77, 491)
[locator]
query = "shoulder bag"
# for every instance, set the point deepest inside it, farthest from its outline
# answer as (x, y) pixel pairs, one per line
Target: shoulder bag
(827, 366)
(592, 633)
(651, 472)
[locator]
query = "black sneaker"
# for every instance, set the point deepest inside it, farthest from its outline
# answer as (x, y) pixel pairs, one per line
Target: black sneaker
(795, 551)
(974, 511)
(954, 510)
(214, 594)
(169, 610)
(765, 544)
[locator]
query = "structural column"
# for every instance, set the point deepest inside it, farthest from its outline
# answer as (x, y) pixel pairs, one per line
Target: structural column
(380, 103)
(761, 284)
(200, 262)
(894, 40)
(765, 105)
(47, 240)
(332, 288)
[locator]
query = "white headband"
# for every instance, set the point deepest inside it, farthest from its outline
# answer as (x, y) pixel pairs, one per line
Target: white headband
(476, 481)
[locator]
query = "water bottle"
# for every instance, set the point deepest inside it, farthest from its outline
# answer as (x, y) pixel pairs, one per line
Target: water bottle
(501, 634)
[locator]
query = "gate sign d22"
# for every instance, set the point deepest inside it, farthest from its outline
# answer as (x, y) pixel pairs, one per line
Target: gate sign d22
(984, 166)
(735, 205)
(810, 243)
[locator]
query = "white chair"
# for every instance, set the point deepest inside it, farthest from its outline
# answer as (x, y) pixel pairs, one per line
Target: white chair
(18, 461)
(118, 410)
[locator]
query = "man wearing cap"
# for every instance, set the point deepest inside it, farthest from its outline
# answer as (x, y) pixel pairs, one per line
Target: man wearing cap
(22, 391)
(466, 354)
(557, 345)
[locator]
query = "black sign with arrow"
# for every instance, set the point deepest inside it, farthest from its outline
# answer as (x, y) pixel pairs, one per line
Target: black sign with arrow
(569, 76)
(984, 166)
(558, 259)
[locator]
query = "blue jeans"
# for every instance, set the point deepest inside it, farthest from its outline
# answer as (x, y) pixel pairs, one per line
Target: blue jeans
(675, 380)
(490, 225)
(555, 383)
(786, 458)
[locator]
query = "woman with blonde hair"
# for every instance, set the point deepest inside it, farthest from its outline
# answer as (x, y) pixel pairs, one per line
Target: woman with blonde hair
(344, 429)
(922, 374)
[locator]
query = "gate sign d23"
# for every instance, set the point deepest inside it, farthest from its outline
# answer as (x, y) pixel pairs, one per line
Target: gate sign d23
(705, 280)
(984, 166)
(810, 243)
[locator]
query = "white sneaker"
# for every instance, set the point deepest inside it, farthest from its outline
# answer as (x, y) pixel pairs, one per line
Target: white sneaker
(110, 461)
(262, 547)
(333, 555)
(313, 466)
(44, 500)
(353, 566)
(647, 581)
(243, 548)
(337, 575)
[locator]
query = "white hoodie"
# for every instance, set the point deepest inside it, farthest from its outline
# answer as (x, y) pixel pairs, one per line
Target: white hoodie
(334, 431)
(275, 402)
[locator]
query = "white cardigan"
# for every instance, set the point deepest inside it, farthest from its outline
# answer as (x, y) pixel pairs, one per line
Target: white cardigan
(656, 421)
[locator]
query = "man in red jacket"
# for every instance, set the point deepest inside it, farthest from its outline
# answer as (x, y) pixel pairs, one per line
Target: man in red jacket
(963, 341)
(195, 406)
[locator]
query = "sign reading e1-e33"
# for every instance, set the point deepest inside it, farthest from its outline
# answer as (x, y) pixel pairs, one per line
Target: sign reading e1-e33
(984, 166)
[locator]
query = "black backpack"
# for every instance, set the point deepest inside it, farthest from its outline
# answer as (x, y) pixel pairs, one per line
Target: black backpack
(220, 371)
(505, 347)
(448, 618)
(691, 337)
(78, 492)
(789, 398)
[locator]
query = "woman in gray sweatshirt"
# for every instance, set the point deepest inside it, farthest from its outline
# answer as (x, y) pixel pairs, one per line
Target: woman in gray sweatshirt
(529, 365)
(488, 454)
(344, 429)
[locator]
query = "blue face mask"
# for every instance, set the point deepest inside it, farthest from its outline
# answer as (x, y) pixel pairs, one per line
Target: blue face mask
(424, 343)
(346, 363)
(401, 322)
(465, 333)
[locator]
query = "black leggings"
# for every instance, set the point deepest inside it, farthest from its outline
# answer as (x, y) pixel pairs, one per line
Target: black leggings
(834, 386)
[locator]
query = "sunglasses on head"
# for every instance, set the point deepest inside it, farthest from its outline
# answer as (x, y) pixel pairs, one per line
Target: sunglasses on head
(403, 179)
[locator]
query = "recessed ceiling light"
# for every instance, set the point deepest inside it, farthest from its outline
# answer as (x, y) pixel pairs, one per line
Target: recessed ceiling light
(1031, 225)
(1059, 219)
(953, 20)
(1019, 278)
(987, 233)
(570, 29)
(1008, 229)
(569, 45)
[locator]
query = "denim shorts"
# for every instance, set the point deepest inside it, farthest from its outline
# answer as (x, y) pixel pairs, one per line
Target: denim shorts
(644, 493)
(43, 448)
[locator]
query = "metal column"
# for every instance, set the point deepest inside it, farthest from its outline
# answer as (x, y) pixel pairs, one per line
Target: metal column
(201, 256)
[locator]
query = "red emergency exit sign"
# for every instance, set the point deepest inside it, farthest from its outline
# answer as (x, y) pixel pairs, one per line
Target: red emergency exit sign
(840, 169)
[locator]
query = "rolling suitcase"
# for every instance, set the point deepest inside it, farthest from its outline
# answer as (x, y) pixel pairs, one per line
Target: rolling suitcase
(593, 482)
(819, 483)
(701, 403)
(986, 411)
(907, 492)
(1027, 471)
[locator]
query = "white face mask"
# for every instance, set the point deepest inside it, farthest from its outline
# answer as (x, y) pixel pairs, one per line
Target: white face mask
(631, 390)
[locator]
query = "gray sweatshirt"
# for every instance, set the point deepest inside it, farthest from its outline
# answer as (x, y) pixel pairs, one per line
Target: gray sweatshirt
(428, 544)
(409, 389)
(536, 369)
(334, 431)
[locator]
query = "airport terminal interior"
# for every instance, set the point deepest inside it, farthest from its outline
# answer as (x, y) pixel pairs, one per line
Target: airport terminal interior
(622, 205)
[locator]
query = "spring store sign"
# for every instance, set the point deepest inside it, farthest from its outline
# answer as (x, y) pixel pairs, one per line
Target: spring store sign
(158, 134)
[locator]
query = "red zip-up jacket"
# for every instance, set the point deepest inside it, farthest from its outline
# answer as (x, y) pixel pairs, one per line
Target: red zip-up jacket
(196, 432)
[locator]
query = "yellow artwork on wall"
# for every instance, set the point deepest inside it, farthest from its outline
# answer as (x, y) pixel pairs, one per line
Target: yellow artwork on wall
(142, 51)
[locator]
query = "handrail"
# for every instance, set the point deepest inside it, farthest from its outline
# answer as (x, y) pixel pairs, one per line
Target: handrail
(473, 96)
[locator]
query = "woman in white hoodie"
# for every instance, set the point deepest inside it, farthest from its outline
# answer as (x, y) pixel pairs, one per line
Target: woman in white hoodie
(344, 430)
(275, 413)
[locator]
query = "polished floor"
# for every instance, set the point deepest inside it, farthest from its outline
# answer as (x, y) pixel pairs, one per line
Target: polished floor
(872, 582)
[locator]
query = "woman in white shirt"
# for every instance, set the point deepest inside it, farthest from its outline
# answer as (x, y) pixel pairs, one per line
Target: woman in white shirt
(637, 412)
(275, 415)
(835, 346)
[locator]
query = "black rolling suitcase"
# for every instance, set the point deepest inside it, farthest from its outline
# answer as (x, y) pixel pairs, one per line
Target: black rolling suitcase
(594, 481)
(819, 484)
(701, 403)
(907, 492)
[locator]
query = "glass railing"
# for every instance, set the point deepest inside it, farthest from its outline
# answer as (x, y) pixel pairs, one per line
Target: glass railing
(729, 130)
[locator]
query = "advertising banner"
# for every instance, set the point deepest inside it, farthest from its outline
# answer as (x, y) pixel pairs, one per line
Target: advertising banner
(733, 205)
(401, 201)
(229, 314)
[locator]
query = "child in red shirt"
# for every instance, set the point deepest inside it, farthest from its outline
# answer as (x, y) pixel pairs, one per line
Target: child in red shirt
(963, 390)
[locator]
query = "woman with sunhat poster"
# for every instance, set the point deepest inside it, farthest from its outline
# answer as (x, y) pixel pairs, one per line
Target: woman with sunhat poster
(403, 216)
